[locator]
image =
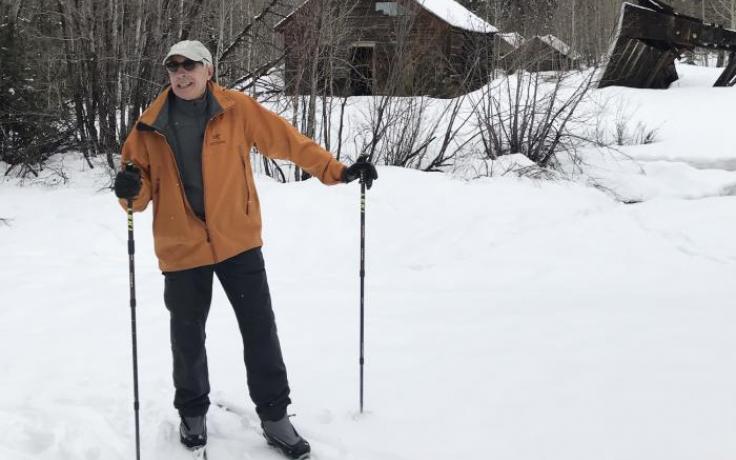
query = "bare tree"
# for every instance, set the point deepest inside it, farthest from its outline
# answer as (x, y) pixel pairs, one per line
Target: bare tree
(321, 61)
(33, 125)
(78, 73)
(531, 113)
(724, 11)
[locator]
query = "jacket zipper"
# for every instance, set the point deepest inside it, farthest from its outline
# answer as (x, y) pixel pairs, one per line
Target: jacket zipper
(204, 185)
(184, 195)
(245, 179)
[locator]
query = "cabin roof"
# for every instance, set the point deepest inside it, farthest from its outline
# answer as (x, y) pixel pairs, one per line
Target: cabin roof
(288, 16)
(559, 45)
(514, 39)
(457, 15)
(449, 11)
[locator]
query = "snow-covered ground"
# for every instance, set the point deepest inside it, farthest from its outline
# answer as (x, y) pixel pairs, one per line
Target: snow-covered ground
(506, 318)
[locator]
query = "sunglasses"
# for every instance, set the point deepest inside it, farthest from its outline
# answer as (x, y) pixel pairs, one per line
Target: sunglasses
(188, 64)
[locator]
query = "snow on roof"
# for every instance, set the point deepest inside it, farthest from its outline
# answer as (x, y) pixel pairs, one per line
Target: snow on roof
(448, 10)
(560, 46)
(457, 15)
(514, 39)
(276, 26)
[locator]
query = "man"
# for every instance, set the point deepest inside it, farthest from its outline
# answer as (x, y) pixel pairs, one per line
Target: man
(189, 153)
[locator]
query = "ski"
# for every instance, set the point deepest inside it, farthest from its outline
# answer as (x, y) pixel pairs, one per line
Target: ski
(284, 449)
(278, 445)
(199, 453)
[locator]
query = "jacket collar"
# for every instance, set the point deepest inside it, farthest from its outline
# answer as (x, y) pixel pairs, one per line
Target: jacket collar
(156, 115)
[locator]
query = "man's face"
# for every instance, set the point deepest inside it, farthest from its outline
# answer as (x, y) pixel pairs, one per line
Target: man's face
(189, 78)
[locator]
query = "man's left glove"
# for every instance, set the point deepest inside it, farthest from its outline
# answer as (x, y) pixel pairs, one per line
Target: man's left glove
(361, 169)
(128, 182)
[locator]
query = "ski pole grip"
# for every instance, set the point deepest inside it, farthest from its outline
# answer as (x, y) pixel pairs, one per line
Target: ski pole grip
(130, 166)
(362, 159)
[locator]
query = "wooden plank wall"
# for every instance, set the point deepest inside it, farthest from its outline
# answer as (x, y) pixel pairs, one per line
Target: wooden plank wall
(438, 54)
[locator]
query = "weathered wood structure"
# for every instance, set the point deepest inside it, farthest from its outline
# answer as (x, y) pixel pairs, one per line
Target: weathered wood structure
(541, 53)
(651, 35)
(402, 48)
(507, 42)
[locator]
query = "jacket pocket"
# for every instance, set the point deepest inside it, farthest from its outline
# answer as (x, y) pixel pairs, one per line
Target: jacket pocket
(246, 193)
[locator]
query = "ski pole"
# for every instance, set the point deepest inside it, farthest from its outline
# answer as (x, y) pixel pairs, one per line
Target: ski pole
(131, 271)
(362, 284)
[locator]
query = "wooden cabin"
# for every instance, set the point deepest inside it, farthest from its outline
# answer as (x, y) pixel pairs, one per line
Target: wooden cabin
(402, 48)
(541, 53)
(507, 42)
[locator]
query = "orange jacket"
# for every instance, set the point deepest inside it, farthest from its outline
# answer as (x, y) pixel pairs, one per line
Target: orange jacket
(232, 210)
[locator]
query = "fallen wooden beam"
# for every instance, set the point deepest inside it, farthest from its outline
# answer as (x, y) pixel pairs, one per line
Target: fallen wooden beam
(649, 37)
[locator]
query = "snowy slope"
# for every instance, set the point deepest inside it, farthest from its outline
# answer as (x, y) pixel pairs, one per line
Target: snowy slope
(693, 120)
(507, 318)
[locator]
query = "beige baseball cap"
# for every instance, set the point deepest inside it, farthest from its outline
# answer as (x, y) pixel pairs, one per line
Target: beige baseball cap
(191, 49)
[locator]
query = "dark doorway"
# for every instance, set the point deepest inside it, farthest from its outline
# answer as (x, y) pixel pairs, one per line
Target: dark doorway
(361, 73)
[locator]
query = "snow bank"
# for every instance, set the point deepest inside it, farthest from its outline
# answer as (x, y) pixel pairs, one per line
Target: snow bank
(544, 318)
(511, 316)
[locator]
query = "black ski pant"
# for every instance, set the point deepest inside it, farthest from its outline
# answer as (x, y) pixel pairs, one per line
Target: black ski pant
(188, 294)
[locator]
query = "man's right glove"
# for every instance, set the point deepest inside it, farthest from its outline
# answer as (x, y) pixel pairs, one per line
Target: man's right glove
(360, 169)
(128, 182)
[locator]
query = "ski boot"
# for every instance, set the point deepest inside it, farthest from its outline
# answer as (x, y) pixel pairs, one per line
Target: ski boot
(282, 435)
(193, 431)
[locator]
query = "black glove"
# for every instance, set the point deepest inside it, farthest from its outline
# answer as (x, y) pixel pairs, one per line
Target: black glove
(362, 170)
(128, 182)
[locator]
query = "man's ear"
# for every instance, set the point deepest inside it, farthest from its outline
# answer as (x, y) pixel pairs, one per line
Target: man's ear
(210, 72)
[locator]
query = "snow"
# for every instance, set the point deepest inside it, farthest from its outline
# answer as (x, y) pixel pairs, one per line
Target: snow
(448, 10)
(457, 15)
(692, 119)
(282, 21)
(506, 317)
(514, 39)
(560, 46)
(474, 168)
